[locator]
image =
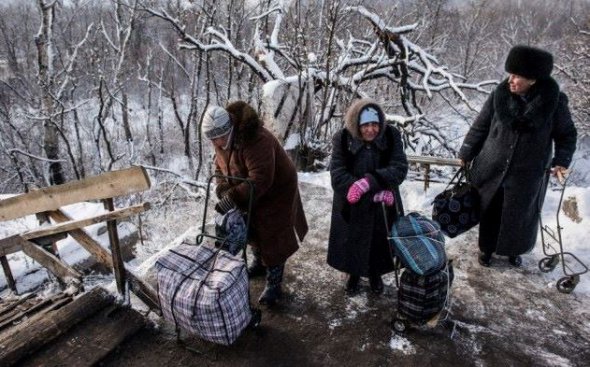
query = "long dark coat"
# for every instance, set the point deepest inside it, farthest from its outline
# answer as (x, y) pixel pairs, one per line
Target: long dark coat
(356, 228)
(257, 155)
(512, 143)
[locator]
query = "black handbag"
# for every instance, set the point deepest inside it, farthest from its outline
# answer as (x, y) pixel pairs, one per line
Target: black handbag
(456, 209)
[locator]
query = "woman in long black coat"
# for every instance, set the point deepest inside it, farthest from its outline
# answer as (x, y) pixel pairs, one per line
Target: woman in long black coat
(523, 131)
(368, 165)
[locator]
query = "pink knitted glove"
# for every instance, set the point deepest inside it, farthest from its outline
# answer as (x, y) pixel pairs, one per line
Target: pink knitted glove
(357, 189)
(384, 196)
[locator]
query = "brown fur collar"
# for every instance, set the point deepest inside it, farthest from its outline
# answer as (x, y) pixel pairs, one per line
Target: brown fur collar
(246, 122)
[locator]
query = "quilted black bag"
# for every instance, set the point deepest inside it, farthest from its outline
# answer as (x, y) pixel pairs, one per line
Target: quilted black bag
(456, 209)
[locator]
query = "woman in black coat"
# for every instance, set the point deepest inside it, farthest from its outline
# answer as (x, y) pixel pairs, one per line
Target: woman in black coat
(523, 131)
(368, 164)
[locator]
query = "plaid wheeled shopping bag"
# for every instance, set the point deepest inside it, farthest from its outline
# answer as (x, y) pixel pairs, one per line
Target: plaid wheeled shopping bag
(203, 290)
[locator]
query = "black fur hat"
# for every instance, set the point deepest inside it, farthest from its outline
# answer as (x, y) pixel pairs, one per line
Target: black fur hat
(529, 62)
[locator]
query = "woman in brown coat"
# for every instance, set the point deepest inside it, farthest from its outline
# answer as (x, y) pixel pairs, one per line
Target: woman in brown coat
(244, 148)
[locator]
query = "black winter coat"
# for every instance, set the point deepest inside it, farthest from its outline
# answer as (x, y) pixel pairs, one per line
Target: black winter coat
(513, 142)
(356, 228)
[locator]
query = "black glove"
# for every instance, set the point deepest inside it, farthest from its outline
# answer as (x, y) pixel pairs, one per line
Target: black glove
(221, 189)
(224, 205)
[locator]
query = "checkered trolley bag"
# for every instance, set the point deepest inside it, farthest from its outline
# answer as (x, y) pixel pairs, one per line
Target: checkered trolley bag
(424, 285)
(420, 298)
(204, 291)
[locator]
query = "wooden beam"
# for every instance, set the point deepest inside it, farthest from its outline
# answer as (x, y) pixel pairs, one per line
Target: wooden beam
(107, 185)
(50, 240)
(9, 245)
(91, 341)
(28, 336)
(42, 306)
(118, 265)
(64, 272)
(141, 289)
(77, 224)
(8, 274)
(434, 160)
(89, 244)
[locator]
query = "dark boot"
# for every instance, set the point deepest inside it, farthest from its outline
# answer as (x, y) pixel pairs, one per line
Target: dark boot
(256, 268)
(352, 284)
(272, 291)
(376, 283)
(485, 259)
(515, 260)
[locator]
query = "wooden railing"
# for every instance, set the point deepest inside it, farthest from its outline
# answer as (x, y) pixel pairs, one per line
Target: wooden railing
(46, 204)
(426, 162)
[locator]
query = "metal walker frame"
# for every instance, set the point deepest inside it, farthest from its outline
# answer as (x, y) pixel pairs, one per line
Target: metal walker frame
(549, 238)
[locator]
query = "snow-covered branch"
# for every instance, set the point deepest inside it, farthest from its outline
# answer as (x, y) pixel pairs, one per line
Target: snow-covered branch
(220, 42)
(39, 158)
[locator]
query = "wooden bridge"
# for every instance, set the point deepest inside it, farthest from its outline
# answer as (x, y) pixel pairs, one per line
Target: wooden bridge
(72, 327)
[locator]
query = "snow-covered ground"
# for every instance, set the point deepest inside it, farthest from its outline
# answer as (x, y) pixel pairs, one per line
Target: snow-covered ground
(575, 232)
(497, 314)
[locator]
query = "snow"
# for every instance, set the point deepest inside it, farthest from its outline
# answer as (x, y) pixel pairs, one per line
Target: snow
(401, 344)
(487, 304)
(575, 234)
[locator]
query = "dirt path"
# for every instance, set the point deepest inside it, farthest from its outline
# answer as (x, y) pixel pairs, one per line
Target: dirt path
(499, 316)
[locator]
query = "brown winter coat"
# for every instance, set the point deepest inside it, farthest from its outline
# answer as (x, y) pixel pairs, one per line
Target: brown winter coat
(257, 155)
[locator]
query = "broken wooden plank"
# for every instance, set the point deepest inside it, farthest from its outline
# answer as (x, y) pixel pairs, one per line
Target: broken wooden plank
(62, 271)
(11, 244)
(27, 337)
(8, 274)
(140, 288)
(38, 306)
(50, 240)
(81, 223)
(118, 266)
(91, 340)
(13, 303)
(107, 185)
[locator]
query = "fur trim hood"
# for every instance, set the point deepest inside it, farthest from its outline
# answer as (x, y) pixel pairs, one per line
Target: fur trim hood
(246, 122)
(351, 124)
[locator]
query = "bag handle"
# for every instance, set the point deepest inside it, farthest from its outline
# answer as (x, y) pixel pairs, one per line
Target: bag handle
(456, 179)
(463, 174)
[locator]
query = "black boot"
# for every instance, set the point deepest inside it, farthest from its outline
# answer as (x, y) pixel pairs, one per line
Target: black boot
(376, 283)
(352, 284)
(272, 291)
(256, 268)
(485, 259)
(515, 260)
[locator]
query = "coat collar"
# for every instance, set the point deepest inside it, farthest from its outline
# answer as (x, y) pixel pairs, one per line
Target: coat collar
(246, 122)
(539, 105)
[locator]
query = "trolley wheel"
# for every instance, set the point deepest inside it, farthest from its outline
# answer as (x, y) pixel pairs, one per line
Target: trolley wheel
(548, 264)
(256, 318)
(567, 284)
(399, 325)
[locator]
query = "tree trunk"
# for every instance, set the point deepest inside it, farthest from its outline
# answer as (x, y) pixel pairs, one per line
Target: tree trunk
(45, 56)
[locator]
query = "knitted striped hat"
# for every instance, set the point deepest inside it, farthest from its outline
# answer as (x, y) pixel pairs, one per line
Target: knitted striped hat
(216, 122)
